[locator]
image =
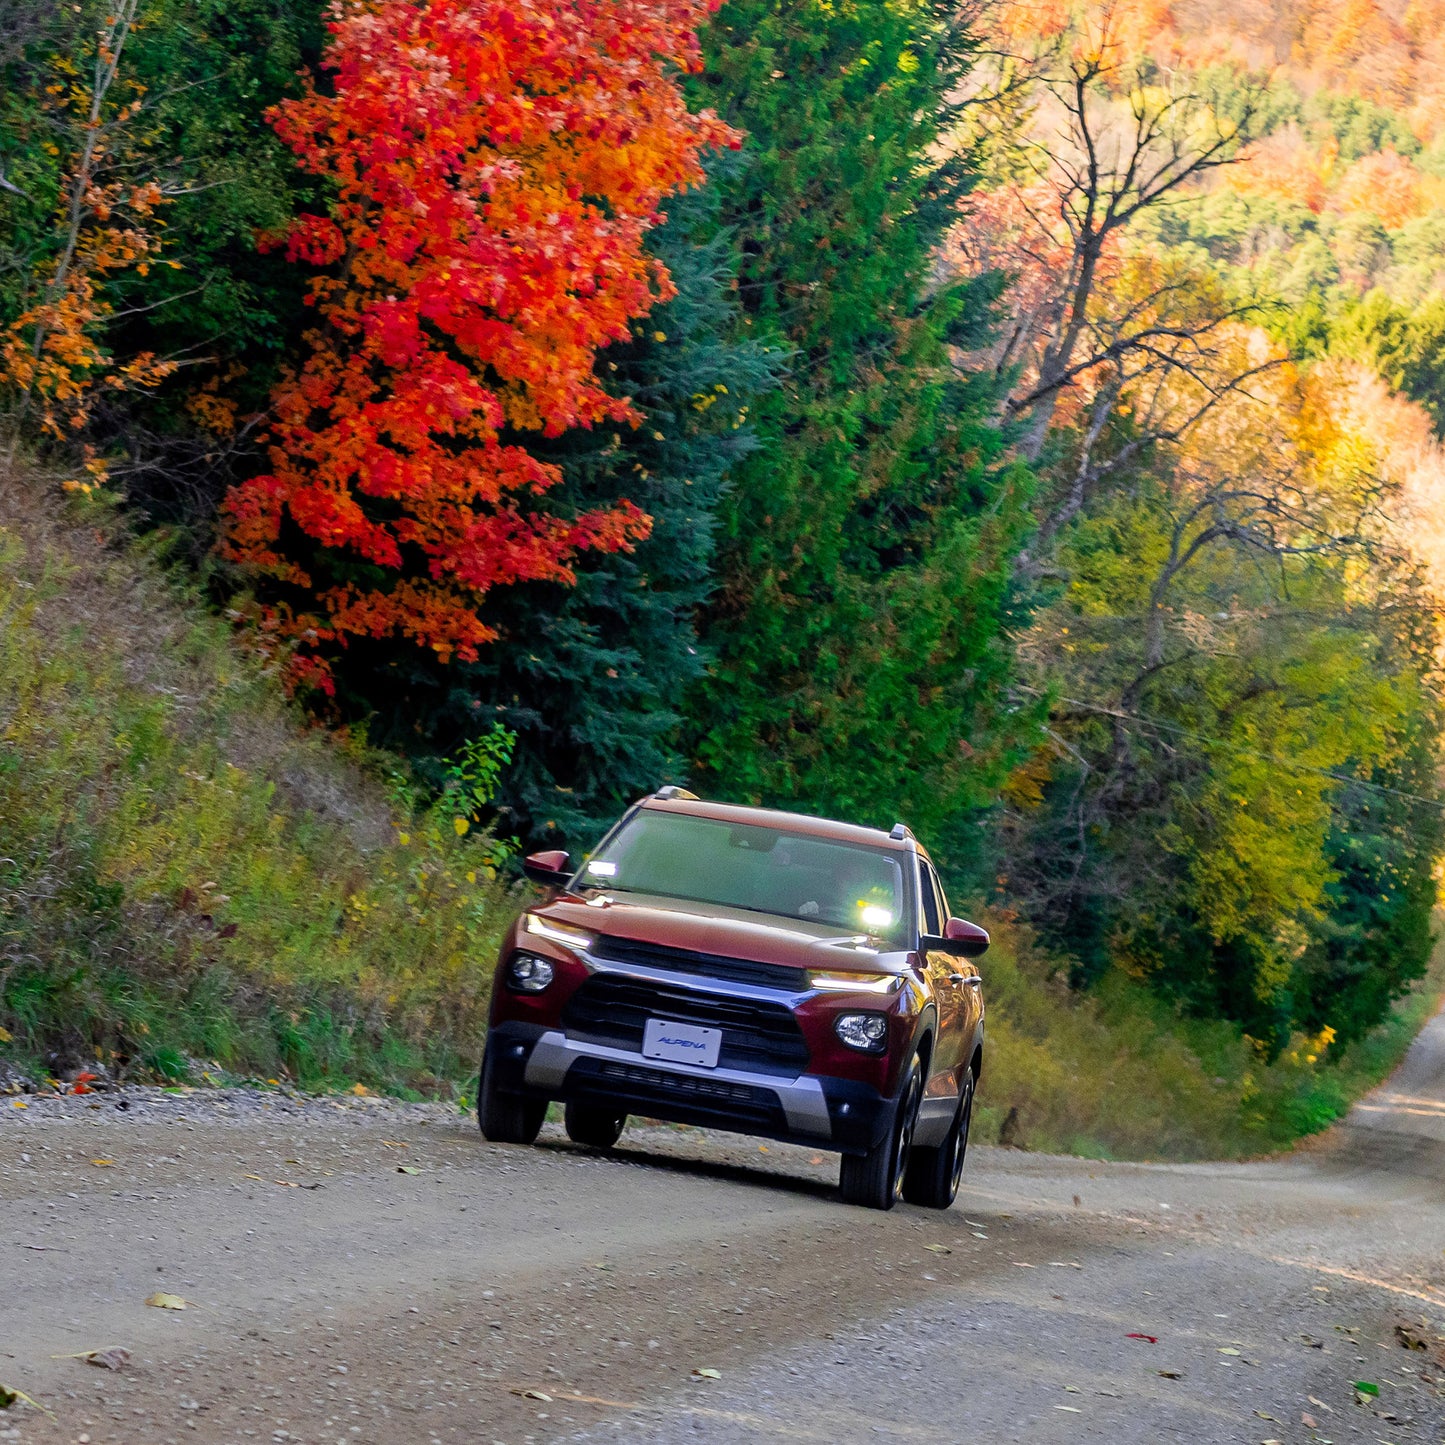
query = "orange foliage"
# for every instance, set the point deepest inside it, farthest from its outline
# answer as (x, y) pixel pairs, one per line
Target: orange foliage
(495, 165)
(52, 353)
(1114, 31)
(1286, 166)
(1385, 185)
(1356, 45)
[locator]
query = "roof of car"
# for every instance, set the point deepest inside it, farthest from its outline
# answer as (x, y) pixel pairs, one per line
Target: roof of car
(787, 822)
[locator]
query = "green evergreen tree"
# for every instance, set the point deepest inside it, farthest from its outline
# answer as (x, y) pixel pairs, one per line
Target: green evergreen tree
(864, 571)
(589, 678)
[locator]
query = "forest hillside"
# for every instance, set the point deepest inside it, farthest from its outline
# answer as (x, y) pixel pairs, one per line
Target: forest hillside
(429, 425)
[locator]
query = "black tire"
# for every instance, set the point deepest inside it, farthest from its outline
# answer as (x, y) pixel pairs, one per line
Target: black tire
(598, 1127)
(875, 1179)
(506, 1118)
(933, 1174)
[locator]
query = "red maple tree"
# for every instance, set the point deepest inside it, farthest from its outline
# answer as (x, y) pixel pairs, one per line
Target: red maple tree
(495, 166)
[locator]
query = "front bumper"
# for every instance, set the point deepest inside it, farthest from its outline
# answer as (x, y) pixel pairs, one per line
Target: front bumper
(840, 1114)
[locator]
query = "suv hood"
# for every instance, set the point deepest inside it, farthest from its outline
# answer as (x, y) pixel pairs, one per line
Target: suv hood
(728, 932)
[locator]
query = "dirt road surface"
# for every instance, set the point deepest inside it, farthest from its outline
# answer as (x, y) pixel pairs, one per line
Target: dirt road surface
(361, 1272)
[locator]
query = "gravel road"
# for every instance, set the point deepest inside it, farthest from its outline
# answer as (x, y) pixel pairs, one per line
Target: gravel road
(363, 1272)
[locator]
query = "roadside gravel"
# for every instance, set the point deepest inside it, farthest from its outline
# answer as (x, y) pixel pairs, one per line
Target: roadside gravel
(363, 1270)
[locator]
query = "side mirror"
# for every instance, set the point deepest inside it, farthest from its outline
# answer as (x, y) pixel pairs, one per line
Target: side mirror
(549, 868)
(960, 938)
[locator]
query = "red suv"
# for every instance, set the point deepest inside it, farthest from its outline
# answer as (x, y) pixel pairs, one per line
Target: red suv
(749, 970)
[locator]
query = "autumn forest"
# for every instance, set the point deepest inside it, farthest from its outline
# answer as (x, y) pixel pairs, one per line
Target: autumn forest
(1021, 419)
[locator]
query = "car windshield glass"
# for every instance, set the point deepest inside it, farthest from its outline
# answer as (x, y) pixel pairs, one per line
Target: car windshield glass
(742, 865)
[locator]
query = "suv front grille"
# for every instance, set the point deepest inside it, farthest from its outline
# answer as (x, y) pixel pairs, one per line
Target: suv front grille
(757, 1037)
(708, 965)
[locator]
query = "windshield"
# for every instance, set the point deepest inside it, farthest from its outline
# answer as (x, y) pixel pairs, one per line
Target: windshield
(743, 865)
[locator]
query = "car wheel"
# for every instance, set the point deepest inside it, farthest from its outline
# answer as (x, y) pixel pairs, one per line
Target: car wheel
(875, 1179)
(933, 1174)
(506, 1118)
(589, 1124)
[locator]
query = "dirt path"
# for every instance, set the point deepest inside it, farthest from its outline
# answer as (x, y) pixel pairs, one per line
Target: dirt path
(383, 1307)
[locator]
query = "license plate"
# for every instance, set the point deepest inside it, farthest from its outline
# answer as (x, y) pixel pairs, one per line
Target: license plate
(681, 1043)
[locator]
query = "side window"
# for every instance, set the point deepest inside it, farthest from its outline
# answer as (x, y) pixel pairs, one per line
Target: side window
(944, 912)
(928, 895)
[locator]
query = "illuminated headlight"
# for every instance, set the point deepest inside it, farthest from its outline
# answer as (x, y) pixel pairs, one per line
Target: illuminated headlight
(558, 932)
(529, 974)
(868, 1033)
(855, 982)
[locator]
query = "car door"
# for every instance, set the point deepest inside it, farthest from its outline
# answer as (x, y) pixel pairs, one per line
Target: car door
(941, 1087)
(967, 985)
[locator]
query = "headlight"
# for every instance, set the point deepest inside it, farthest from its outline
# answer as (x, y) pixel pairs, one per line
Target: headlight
(529, 974)
(562, 933)
(856, 982)
(868, 1033)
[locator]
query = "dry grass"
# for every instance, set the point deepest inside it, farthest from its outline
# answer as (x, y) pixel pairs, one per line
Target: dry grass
(188, 873)
(1117, 1074)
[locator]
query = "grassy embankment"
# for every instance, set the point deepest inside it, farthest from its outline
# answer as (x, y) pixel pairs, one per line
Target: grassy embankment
(189, 880)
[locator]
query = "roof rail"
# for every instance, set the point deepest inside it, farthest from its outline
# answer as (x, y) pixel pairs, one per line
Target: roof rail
(672, 791)
(899, 833)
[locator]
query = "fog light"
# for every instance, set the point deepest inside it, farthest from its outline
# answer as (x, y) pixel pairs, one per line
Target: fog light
(868, 1033)
(529, 974)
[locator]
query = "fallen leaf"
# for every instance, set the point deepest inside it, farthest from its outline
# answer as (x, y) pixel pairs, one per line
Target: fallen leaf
(19, 1104)
(286, 1184)
(5, 1036)
(166, 1302)
(256, 1177)
(1321, 1404)
(1263, 1416)
(938, 1248)
(1366, 1387)
(1227, 1350)
(1072, 1390)
(706, 1374)
(1072, 1409)
(115, 1358)
(541, 1395)
(1170, 1374)
(9, 1395)
(762, 1149)
(394, 1144)
(1308, 1420)
(1153, 1339)
(407, 1169)
(1408, 1339)
(110, 1164)
(1019, 1264)
(978, 1235)
(360, 1090)
(816, 1159)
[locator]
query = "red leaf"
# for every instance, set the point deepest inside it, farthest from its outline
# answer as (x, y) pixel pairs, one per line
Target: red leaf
(495, 167)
